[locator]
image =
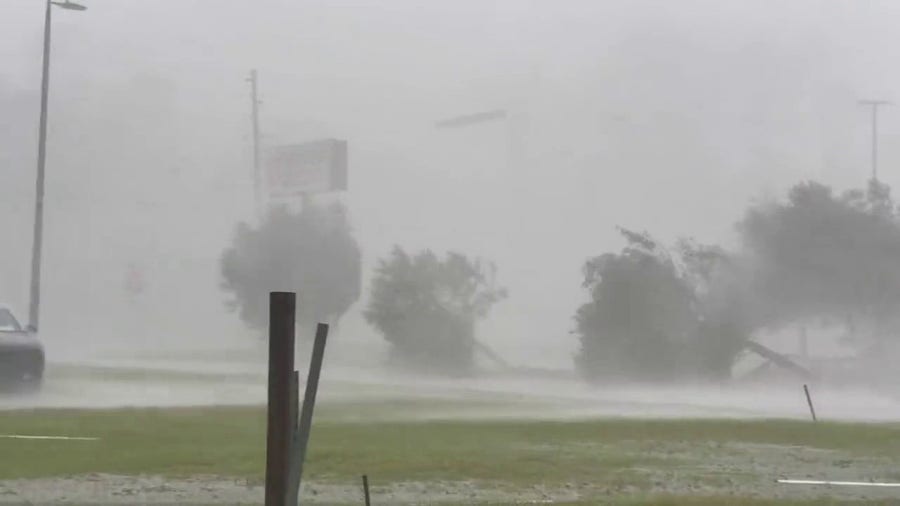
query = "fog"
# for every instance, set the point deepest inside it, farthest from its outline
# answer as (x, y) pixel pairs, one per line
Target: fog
(664, 116)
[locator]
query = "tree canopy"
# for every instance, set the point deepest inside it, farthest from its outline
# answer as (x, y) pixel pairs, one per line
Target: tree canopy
(311, 253)
(426, 307)
(645, 319)
(825, 256)
(687, 313)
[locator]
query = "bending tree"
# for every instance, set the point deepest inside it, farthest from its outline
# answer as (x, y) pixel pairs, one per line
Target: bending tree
(426, 308)
(821, 256)
(656, 316)
(817, 256)
(311, 253)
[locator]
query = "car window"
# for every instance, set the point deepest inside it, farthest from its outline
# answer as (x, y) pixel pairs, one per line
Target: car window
(8, 322)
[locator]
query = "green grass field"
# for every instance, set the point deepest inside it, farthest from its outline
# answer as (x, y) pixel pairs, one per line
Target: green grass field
(611, 461)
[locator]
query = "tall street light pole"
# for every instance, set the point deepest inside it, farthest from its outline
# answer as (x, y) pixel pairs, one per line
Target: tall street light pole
(257, 176)
(38, 240)
(874, 104)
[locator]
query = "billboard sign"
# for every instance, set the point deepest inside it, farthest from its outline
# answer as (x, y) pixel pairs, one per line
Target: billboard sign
(308, 168)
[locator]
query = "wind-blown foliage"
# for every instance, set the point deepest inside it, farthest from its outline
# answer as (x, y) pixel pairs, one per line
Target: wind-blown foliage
(656, 315)
(426, 308)
(819, 255)
(311, 253)
(646, 316)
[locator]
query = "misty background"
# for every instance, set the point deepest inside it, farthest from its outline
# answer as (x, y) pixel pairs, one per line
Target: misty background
(664, 116)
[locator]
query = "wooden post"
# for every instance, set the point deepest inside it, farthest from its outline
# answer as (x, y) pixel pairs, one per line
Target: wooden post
(812, 410)
(366, 490)
(306, 413)
(280, 426)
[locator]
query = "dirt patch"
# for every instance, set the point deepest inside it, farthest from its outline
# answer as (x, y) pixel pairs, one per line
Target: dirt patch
(752, 470)
(683, 468)
(725, 476)
(102, 489)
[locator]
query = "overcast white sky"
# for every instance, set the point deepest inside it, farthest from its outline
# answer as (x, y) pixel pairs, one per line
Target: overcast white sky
(666, 116)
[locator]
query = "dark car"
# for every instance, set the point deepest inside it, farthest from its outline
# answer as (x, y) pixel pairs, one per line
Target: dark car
(21, 355)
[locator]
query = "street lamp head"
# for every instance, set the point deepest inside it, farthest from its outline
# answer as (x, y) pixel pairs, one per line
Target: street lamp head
(469, 119)
(72, 6)
(874, 102)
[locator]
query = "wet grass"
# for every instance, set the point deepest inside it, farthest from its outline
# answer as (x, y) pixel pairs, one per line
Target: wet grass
(601, 458)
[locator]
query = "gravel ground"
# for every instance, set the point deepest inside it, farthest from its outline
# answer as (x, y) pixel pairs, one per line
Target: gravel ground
(110, 490)
(685, 469)
(107, 490)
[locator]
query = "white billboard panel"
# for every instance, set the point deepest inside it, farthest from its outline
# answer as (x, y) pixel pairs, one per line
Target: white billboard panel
(308, 168)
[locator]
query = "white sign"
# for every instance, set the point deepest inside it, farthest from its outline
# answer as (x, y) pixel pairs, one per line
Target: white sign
(312, 167)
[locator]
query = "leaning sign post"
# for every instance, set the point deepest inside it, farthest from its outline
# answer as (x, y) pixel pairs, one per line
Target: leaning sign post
(286, 441)
(301, 435)
(293, 172)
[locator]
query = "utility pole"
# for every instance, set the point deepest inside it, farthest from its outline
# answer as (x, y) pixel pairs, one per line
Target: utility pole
(38, 232)
(874, 104)
(257, 177)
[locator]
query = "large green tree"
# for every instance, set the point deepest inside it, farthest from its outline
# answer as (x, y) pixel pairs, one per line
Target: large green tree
(823, 256)
(649, 316)
(816, 256)
(427, 307)
(312, 253)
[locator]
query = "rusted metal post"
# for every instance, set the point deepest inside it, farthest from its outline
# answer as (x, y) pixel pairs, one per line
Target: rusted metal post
(309, 402)
(366, 489)
(812, 410)
(280, 425)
